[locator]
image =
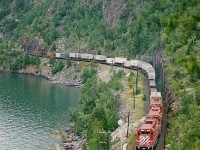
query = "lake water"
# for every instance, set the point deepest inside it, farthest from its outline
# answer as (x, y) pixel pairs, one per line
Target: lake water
(31, 110)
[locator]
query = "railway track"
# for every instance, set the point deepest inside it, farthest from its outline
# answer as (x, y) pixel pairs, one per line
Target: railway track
(153, 128)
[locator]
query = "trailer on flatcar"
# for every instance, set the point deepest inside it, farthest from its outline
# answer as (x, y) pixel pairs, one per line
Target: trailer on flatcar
(110, 61)
(61, 55)
(127, 64)
(75, 56)
(100, 58)
(87, 57)
(119, 61)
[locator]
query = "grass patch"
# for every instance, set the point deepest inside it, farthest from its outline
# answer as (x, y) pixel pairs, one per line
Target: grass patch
(131, 141)
(139, 102)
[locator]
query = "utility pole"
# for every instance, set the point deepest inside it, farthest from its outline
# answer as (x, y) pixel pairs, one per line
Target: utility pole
(133, 98)
(134, 91)
(136, 82)
(128, 124)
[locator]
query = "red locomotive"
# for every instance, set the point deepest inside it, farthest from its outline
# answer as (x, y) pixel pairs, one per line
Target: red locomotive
(148, 133)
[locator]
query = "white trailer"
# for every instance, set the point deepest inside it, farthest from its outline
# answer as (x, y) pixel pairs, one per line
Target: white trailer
(152, 83)
(87, 56)
(127, 64)
(61, 55)
(134, 63)
(74, 55)
(100, 57)
(120, 60)
(110, 61)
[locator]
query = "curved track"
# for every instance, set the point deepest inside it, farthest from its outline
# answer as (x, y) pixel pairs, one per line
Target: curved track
(146, 68)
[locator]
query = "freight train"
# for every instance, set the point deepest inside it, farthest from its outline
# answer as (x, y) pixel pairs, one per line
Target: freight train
(148, 133)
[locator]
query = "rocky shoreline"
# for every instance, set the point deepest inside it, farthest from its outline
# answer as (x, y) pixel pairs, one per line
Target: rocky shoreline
(73, 141)
(57, 79)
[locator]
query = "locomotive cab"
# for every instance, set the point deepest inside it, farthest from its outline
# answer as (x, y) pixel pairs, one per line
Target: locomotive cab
(146, 135)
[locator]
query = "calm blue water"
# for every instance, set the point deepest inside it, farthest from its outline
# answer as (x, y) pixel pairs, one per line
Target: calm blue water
(31, 110)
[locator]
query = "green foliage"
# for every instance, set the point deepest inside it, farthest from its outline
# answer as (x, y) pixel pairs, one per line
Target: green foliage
(69, 63)
(35, 60)
(77, 68)
(181, 42)
(193, 68)
(84, 24)
(114, 83)
(84, 146)
(131, 80)
(53, 48)
(52, 60)
(87, 74)
(119, 74)
(22, 61)
(97, 112)
(138, 90)
(17, 64)
(187, 136)
(144, 98)
(58, 66)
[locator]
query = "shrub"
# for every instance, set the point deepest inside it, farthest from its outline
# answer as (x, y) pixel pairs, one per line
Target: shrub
(58, 66)
(87, 73)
